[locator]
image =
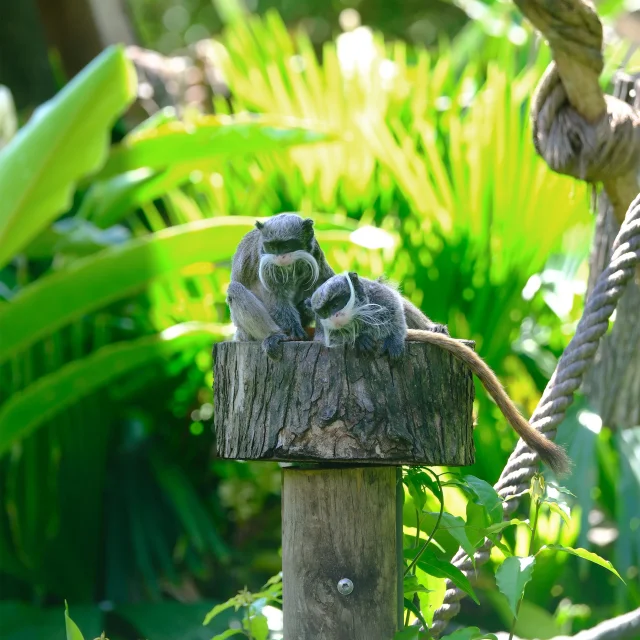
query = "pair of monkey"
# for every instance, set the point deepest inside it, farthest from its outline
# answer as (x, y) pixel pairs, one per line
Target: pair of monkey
(281, 282)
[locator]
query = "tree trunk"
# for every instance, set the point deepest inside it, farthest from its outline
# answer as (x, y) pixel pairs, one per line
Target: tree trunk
(334, 405)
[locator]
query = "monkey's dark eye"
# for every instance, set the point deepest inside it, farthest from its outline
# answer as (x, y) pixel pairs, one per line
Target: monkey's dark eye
(271, 247)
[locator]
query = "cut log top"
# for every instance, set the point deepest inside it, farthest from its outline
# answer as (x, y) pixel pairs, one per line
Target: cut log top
(337, 406)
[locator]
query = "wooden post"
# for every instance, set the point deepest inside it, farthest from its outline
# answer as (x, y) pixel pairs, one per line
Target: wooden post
(356, 419)
(339, 553)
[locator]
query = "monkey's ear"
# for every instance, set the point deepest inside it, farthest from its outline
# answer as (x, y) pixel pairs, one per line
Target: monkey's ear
(307, 224)
(259, 225)
(353, 276)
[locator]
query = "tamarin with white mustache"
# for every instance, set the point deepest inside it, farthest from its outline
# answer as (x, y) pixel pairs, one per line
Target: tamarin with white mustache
(275, 268)
(371, 315)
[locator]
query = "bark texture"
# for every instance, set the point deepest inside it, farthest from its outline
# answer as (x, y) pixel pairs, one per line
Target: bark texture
(337, 524)
(320, 404)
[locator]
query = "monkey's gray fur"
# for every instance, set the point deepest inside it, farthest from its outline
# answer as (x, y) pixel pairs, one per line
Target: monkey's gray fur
(275, 268)
(366, 313)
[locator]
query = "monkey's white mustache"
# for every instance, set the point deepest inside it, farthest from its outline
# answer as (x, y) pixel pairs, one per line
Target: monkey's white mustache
(345, 325)
(273, 270)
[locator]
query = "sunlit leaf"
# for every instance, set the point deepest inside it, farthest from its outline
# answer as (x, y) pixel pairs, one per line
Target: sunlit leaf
(561, 509)
(111, 274)
(65, 139)
(584, 554)
(455, 526)
(486, 496)
(73, 633)
(175, 142)
(411, 585)
(257, 627)
(512, 577)
(408, 604)
(438, 568)
(228, 634)
(218, 609)
(470, 633)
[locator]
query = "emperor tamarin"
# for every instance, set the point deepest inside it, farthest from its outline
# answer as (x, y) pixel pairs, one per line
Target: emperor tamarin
(275, 268)
(368, 314)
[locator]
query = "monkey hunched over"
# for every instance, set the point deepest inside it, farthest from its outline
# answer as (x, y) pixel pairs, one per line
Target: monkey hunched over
(275, 268)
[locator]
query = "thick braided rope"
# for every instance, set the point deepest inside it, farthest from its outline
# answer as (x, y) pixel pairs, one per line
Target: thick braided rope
(559, 393)
(593, 151)
(575, 129)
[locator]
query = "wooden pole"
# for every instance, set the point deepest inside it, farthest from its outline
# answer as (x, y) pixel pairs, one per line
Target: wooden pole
(339, 553)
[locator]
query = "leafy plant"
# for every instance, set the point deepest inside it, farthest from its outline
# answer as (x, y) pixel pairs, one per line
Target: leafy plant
(413, 162)
(254, 624)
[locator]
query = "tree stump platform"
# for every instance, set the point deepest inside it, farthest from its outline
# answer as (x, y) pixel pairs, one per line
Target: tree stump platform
(334, 405)
(356, 417)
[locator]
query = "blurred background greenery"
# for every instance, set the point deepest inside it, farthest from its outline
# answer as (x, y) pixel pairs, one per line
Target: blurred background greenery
(403, 130)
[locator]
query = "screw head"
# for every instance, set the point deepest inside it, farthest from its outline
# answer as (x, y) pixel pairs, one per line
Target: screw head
(345, 586)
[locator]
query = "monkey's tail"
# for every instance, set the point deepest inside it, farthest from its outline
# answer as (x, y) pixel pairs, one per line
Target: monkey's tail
(550, 453)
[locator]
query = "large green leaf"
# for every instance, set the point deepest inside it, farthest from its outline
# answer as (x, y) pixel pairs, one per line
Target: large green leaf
(107, 201)
(66, 138)
(456, 527)
(434, 566)
(486, 496)
(112, 274)
(584, 554)
(175, 142)
(27, 410)
(512, 577)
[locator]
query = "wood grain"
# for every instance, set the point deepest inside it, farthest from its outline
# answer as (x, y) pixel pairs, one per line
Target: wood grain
(339, 523)
(320, 404)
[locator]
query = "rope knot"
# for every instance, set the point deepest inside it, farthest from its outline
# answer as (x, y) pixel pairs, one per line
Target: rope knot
(593, 151)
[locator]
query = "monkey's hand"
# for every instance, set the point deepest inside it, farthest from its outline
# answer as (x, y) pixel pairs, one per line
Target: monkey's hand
(272, 345)
(393, 346)
(439, 328)
(297, 332)
(288, 319)
(365, 343)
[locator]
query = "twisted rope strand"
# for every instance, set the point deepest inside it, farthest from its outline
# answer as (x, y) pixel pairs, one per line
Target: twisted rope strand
(559, 392)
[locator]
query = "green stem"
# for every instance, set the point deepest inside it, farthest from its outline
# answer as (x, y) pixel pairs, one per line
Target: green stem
(532, 540)
(414, 562)
(417, 540)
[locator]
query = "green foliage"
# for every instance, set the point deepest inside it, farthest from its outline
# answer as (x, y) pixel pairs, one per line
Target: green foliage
(65, 140)
(73, 633)
(254, 624)
(42, 400)
(414, 163)
(177, 143)
(584, 554)
(470, 633)
(512, 578)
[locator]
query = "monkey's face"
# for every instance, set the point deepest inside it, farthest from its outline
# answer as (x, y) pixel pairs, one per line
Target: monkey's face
(284, 252)
(285, 234)
(334, 303)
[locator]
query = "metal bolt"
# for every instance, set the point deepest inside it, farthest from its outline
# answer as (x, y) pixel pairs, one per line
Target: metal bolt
(345, 586)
